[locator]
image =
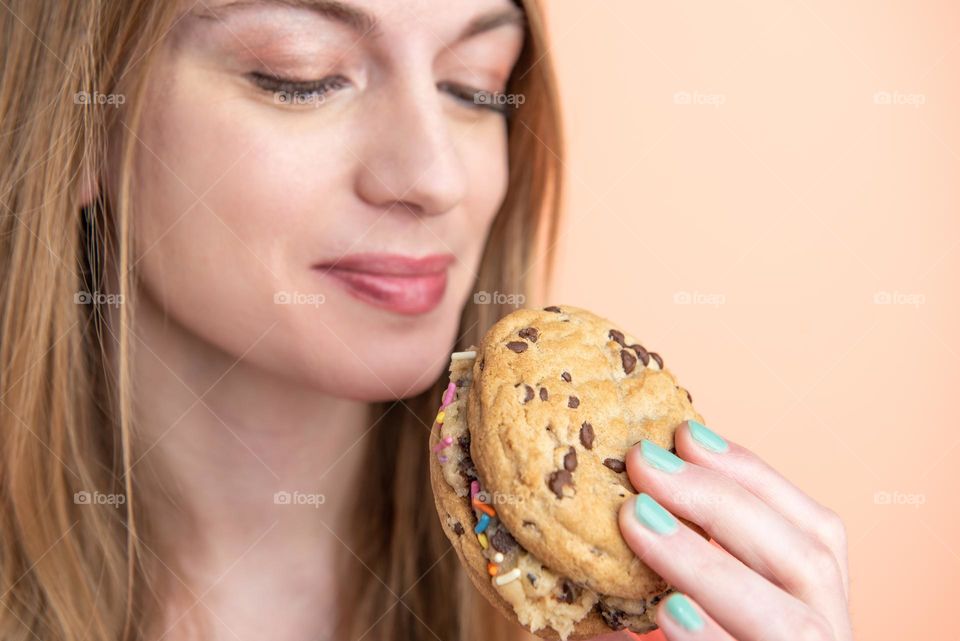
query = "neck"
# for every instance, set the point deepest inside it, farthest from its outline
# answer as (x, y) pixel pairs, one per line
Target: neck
(248, 475)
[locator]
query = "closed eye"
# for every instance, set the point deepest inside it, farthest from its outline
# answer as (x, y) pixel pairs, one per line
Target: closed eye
(474, 98)
(298, 92)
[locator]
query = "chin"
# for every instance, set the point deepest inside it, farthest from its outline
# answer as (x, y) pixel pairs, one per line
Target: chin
(398, 381)
(361, 361)
(404, 373)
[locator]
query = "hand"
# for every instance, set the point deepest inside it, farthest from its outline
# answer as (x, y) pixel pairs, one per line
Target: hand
(782, 572)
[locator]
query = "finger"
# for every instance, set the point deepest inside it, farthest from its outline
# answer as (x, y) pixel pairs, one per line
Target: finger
(744, 525)
(742, 602)
(682, 619)
(698, 444)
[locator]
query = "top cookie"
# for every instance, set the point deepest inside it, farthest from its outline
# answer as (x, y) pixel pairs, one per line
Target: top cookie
(559, 396)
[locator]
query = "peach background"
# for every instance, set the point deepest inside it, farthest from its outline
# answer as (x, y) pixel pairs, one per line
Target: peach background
(783, 211)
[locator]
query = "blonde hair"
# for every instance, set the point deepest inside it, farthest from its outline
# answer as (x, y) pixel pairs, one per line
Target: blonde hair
(65, 389)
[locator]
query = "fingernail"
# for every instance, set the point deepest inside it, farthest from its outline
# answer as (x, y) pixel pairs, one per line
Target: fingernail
(707, 437)
(653, 516)
(660, 458)
(682, 611)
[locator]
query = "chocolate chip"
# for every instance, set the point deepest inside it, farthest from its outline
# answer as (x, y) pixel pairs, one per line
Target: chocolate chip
(641, 354)
(465, 466)
(460, 382)
(517, 346)
(552, 308)
(612, 616)
(615, 464)
(586, 435)
(543, 394)
(573, 402)
(628, 360)
(558, 480)
(502, 541)
(532, 578)
(566, 376)
(657, 358)
(529, 394)
(530, 333)
(568, 592)
(570, 460)
(458, 528)
(617, 336)
(467, 471)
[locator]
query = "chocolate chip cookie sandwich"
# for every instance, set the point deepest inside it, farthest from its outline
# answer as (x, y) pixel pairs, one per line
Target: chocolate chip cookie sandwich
(527, 468)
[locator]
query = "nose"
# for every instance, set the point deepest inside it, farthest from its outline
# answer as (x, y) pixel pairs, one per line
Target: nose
(408, 157)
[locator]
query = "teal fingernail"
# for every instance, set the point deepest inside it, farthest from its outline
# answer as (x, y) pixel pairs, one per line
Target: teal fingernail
(707, 437)
(653, 516)
(682, 611)
(660, 458)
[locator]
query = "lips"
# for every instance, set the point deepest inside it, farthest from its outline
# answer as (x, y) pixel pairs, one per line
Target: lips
(398, 283)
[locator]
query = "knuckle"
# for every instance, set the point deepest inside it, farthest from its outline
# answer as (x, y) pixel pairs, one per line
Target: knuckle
(816, 566)
(813, 627)
(832, 529)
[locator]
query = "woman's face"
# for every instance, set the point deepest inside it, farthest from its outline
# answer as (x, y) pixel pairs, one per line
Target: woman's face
(315, 181)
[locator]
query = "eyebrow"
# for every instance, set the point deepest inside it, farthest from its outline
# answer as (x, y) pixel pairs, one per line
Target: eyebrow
(363, 22)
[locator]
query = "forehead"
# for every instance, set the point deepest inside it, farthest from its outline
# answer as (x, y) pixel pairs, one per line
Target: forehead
(443, 19)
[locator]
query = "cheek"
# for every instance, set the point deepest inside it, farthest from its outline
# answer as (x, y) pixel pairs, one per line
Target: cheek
(484, 156)
(208, 221)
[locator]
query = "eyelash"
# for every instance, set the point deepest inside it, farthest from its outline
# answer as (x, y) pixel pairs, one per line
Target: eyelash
(296, 90)
(474, 98)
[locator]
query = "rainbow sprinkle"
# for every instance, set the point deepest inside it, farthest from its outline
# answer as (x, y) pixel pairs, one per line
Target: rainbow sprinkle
(448, 395)
(483, 541)
(483, 507)
(482, 523)
(503, 579)
(444, 443)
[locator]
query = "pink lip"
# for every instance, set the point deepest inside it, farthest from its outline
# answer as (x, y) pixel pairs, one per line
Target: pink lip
(401, 284)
